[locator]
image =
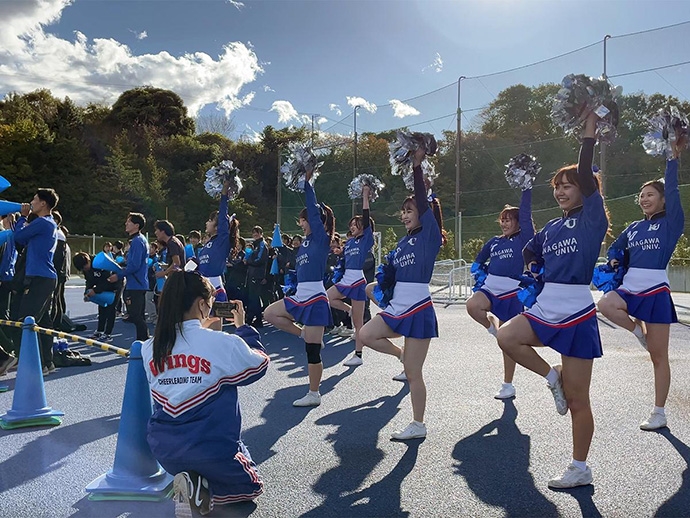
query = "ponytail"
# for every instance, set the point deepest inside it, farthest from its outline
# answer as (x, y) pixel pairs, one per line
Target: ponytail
(180, 291)
(234, 235)
(436, 209)
(327, 218)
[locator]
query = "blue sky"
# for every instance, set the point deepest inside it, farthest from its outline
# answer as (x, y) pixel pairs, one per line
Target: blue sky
(279, 62)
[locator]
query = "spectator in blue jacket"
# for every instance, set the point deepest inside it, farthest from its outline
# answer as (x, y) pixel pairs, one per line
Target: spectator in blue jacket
(136, 274)
(40, 239)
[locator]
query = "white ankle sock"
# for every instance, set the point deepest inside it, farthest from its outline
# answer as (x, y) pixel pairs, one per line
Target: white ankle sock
(552, 377)
(580, 464)
(314, 392)
(492, 330)
(638, 331)
(659, 410)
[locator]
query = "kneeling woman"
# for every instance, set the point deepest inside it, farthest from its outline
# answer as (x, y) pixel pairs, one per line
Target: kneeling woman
(309, 305)
(564, 317)
(410, 312)
(194, 373)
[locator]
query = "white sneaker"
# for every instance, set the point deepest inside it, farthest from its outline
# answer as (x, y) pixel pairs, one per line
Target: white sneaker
(346, 332)
(414, 430)
(191, 495)
(507, 391)
(643, 341)
(572, 477)
(400, 377)
(336, 330)
(558, 394)
(653, 422)
(355, 361)
(311, 399)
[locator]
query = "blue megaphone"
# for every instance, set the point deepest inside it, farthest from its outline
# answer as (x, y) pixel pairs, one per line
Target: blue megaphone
(8, 207)
(103, 262)
(188, 252)
(4, 183)
(104, 299)
(5, 234)
(161, 281)
(248, 253)
(277, 238)
(274, 267)
(120, 259)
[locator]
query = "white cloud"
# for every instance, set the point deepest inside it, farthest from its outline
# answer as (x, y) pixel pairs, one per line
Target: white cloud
(436, 65)
(335, 108)
(239, 5)
(268, 89)
(321, 120)
(286, 113)
(400, 109)
(363, 103)
(139, 35)
(101, 69)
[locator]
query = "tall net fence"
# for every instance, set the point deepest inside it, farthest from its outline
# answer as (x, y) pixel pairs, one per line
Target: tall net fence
(503, 114)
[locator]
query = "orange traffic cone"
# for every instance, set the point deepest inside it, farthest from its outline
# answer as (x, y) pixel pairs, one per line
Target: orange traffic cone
(29, 406)
(136, 474)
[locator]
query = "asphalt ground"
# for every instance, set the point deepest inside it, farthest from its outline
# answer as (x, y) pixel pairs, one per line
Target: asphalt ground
(482, 457)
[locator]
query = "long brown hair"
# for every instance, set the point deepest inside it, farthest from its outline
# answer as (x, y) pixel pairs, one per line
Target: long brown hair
(181, 290)
(571, 175)
(327, 218)
(435, 206)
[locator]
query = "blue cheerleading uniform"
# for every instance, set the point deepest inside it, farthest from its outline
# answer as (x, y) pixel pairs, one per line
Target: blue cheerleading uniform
(214, 254)
(648, 245)
(410, 312)
(564, 315)
(196, 422)
(353, 283)
(504, 254)
(309, 305)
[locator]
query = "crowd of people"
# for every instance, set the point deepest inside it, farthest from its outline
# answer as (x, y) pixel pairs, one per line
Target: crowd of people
(318, 282)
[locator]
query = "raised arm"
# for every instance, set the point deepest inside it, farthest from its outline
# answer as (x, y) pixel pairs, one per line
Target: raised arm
(674, 209)
(419, 186)
(584, 163)
(525, 216)
(365, 207)
(313, 210)
(223, 222)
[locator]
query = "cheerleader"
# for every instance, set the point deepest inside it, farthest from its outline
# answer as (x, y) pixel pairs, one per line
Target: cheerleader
(222, 239)
(309, 305)
(353, 283)
(645, 294)
(193, 372)
(496, 301)
(564, 316)
(410, 312)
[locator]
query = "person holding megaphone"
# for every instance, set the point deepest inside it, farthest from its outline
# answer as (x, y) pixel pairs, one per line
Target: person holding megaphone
(98, 283)
(40, 239)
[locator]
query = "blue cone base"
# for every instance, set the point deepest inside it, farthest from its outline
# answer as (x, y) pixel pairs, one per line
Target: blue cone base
(108, 487)
(4, 388)
(25, 423)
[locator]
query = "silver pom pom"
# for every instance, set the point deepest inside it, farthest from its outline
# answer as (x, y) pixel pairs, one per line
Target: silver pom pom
(354, 190)
(428, 171)
(521, 171)
(216, 177)
(295, 169)
(580, 94)
(402, 150)
(666, 127)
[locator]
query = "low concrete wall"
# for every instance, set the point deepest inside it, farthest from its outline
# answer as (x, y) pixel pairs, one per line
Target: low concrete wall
(679, 277)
